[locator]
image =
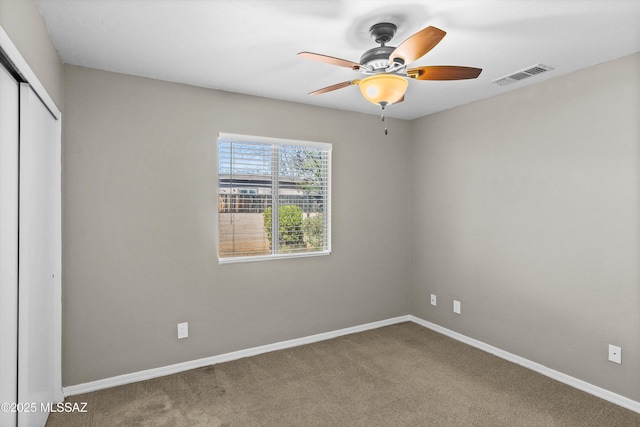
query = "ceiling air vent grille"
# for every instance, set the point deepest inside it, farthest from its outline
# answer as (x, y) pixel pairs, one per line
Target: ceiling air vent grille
(522, 74)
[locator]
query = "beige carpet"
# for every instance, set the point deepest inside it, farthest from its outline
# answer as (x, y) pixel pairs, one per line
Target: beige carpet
(400, 375)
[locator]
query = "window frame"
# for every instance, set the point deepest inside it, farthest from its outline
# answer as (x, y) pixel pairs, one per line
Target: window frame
(224, 136)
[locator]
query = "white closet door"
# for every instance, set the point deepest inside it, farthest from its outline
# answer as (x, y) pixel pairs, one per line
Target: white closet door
(8, 244)
(39, 258)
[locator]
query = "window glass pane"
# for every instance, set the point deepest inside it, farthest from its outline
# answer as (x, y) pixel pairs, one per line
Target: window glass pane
(272, 192)
(302, 198)
(244, 193)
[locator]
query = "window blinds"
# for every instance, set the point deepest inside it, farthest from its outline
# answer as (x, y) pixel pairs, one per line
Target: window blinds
(273, 198)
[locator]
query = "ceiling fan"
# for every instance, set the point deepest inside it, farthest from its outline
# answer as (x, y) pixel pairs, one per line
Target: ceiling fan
(385, 67)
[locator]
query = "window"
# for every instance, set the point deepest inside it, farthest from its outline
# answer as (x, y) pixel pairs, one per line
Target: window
(273, 198)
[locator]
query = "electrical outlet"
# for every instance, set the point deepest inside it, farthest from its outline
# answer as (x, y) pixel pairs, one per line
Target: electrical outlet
(456, 306)
(615, 354)
(183, 330)
(433, 299)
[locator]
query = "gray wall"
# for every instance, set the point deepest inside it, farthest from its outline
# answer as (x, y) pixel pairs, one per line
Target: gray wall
(22, 21)
(525, 207)
(140, 235)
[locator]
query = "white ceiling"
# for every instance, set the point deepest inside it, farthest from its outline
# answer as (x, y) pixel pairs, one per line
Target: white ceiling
(250, 46)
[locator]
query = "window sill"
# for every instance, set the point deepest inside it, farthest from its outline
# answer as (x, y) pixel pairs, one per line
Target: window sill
(271, 257)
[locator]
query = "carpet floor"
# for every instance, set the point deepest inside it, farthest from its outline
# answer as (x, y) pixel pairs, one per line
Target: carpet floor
(399, 375)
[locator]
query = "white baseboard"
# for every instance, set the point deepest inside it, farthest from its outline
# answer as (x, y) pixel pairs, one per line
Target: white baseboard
(199, 363)
(227, 357)
(541, 369)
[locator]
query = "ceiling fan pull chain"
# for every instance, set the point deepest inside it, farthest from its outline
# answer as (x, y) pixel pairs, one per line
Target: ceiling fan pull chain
(386, 132)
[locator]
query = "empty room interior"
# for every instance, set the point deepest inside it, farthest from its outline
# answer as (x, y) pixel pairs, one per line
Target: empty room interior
(453, 221)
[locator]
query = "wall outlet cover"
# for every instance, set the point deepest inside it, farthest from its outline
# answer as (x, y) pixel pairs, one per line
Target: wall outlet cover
(615, 354)
(183, 330)
(433, 299)
(456, 306)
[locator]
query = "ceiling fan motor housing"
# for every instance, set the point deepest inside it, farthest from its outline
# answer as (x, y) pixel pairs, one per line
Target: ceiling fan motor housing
(377, 58)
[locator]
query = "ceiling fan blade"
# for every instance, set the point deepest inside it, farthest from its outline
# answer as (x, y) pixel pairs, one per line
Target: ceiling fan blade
(417, 45)
(444, 72)
(334, 87)
(330, 60)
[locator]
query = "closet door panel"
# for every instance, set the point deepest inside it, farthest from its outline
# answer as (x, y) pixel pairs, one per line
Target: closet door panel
(8, 243)
(39, 258)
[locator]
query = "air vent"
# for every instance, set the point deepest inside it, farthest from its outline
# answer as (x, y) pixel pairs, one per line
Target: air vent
(522, 74)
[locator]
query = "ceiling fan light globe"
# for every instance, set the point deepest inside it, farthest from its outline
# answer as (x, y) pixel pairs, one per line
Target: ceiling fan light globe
(383, 89)
(372, 91)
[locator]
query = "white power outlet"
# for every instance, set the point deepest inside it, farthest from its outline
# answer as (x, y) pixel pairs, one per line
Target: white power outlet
(433, 299)
(615, 354)
(183, 330)
(456, 306)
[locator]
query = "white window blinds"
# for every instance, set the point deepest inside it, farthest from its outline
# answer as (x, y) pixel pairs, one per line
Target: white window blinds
(273, 198)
